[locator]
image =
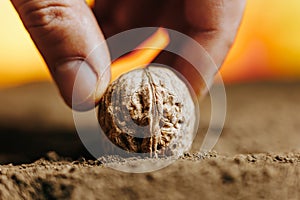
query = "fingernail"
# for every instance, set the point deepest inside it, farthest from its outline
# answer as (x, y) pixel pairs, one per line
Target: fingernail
(77, 83)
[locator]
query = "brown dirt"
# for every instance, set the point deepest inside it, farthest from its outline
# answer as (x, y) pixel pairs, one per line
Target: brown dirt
(258, 153)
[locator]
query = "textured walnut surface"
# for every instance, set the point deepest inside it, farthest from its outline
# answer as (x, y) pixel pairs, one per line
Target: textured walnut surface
(149, 110)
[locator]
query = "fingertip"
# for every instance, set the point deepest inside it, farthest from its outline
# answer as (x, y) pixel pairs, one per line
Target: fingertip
(80, 86)
(92, 100)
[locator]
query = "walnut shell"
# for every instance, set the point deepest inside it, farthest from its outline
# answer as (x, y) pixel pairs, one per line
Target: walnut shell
(149, 110)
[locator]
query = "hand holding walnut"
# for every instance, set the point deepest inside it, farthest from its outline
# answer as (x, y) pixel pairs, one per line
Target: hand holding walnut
(65, 32)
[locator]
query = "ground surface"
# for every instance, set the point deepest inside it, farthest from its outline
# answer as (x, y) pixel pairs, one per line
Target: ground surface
(258, 152)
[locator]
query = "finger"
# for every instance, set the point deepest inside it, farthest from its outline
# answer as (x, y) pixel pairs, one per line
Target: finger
(213, 24)
(66, 32)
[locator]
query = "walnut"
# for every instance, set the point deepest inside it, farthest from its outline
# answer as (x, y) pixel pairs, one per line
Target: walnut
(149, 110)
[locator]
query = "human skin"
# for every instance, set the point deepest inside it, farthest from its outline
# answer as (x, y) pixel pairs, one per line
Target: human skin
(66, 31)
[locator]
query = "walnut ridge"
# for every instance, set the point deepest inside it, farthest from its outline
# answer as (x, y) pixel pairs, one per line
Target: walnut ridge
(149, 110)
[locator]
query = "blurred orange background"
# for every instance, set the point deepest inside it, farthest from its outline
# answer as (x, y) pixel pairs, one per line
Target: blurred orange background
(267, 46)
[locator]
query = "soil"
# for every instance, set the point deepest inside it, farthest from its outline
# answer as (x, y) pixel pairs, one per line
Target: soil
(256, 157)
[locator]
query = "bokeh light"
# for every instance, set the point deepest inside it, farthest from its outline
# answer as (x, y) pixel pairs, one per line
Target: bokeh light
(268, 43)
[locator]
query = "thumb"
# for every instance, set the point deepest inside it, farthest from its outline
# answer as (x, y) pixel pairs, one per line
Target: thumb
(65, 32)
